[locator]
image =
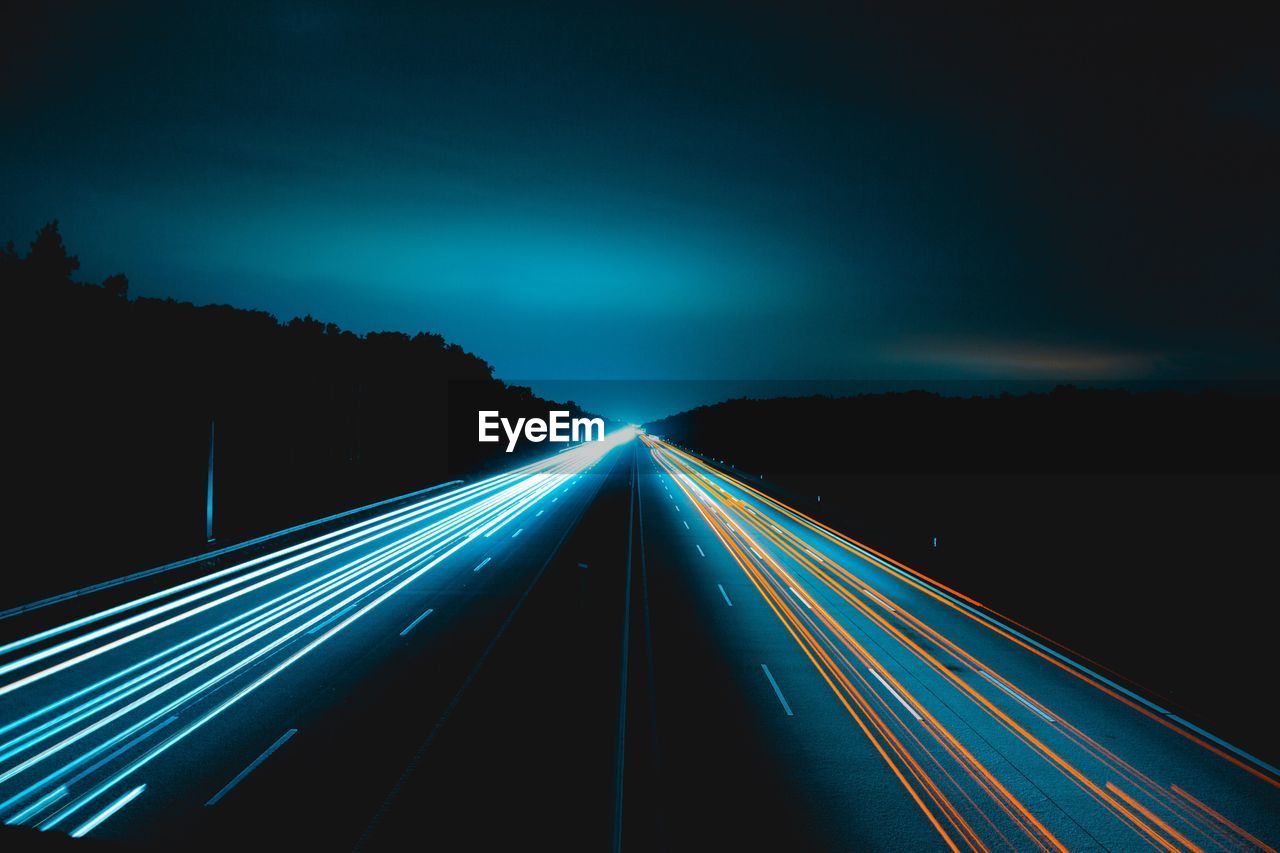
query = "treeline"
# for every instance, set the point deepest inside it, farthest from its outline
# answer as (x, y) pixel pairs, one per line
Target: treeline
(111, 402)
(1068, 430)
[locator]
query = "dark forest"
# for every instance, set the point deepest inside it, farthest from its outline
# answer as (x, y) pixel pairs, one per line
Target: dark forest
(113, 399)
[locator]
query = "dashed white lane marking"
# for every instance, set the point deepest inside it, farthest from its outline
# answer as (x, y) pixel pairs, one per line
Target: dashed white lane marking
(896, 695)
(777, 690)
(879, 600)
(1016, 696)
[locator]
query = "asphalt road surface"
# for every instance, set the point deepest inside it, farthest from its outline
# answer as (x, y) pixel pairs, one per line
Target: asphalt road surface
(620, 647)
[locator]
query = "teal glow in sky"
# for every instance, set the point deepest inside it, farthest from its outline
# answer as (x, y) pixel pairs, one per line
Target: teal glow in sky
(668, 191)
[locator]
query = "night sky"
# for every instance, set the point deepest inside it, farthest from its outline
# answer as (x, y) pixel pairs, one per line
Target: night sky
(661, 191)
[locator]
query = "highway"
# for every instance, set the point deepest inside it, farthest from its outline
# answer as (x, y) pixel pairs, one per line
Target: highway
(621, 646)
(140, 722)
(906, 715)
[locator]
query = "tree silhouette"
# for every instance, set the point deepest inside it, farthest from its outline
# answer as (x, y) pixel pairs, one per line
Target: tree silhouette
(1068, 430)
(48, 260)
(116, 285)
(116, 394)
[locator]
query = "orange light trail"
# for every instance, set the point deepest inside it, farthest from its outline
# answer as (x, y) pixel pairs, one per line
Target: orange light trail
(833, 650)
(930, 587)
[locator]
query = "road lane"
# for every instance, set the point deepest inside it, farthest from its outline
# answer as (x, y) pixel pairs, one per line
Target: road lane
(995, 741)
(528, 751)
(701, 665)
(208, 673)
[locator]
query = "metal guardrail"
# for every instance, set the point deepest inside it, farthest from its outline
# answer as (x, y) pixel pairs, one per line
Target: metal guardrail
(209, 555)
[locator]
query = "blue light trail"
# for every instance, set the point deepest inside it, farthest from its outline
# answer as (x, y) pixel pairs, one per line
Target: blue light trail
(89, 701)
